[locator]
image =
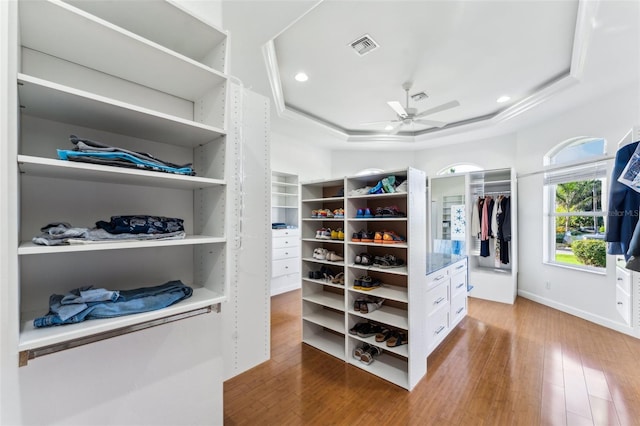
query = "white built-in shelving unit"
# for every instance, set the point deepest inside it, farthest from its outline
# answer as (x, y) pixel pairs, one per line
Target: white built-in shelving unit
(285, 252)
(145, 76)
(328, 308)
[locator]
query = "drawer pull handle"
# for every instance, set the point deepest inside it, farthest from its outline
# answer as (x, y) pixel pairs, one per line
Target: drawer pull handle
(459, 310)
(439, 278)
(439, 301)
(619, 279)
(286, 267)
(459, 266)
(460, 285)
(439, 330)
(620, 303)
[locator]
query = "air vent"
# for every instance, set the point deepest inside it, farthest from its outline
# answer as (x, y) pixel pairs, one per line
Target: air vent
(363, 45)
(419, 96)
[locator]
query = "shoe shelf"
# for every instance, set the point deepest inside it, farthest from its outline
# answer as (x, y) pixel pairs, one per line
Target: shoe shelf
(326, 318)
(386, 291)
(403, 365)
(322, 282)
(324, 339)
(402, 350)
(395, 317)
(316, 240)
(390, 367)
(324, 298)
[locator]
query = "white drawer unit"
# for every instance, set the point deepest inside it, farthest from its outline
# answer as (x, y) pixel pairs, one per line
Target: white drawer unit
(623, 305)
(437, 329)
(438, 297)
(282, 242)
(285, 253)
(285, 267)
(458, 308)
(623, 280)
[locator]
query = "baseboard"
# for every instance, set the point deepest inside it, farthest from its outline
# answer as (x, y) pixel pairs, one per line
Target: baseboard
(596, 319)
(285, 289)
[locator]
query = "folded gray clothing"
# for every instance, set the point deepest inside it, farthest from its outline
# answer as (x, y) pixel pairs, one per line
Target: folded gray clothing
(59, 233)
(100, 235)
(87, 145)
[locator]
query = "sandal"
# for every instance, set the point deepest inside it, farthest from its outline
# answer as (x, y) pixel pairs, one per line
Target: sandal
(368, 307)
(387, 261)
(397, 338)
(338, 279)
(384, 334)
(390, 237)
(368, 330)
(367, 355)
(354, 330)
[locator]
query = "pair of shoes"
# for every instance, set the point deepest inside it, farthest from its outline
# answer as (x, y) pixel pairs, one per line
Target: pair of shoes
(396, 338)
(402, 187)
(365, 329)
(321, 214)
(338, 279)
(384, 186)
(323, 273)
(390, 211)
(366, 283)
(337, 234)
(323, 234)
(338, 212)
(362, 237)
(387, 261)
(333, 257)
(366, 353)
(388, 237)
(363, 259)
(366, 305)
(364, 213)
(320, 253)
(360, 191)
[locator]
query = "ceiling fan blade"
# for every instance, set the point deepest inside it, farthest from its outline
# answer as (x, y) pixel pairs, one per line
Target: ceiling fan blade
(396, 128)
(398, 108)
(432, 123)
(439, 108)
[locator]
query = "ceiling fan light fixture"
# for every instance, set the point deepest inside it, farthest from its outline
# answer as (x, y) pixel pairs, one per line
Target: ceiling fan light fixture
(301, 77)
(419, 96)
(502, 99)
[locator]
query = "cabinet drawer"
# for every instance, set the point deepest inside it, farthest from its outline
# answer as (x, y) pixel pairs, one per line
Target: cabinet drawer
(436, 278)
(437, 297)
(285, 242)
(284, 267)
(458, 308)
(285, 253)
(620, 262)
(277, 233)
(437, 329)
(623, 305)
(458, 283)
(623, 280)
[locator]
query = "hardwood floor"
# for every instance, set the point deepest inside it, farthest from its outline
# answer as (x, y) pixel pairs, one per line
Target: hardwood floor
(525, 364)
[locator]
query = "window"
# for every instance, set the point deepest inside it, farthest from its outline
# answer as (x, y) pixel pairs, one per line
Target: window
(574, 198)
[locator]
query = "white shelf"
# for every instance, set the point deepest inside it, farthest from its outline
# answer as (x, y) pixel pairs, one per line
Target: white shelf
(394, 245)
(331, 300)
(378, 219)
(327, 319)
(380, 196)
(327, 342)
(326, 262)
(323, 282)
(27, 248)
(397, 271)
(71, 34)
(320, 200)
(402, 350)
(387, 367)
(324, 219)
(387, 315)
(283, 207)
(314, 240)
(61, 169)
(284, 194)
(33, 338)
(42, 98)
(387, 291)
(171, 25)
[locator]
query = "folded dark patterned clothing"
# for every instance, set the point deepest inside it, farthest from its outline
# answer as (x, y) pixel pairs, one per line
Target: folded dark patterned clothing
(89, 151)
(141, 224)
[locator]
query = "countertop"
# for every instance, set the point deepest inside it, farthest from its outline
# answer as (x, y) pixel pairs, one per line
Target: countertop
(437, 261)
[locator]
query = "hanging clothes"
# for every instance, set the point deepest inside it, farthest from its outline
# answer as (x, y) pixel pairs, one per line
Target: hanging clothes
(503, 235)
(486, 231)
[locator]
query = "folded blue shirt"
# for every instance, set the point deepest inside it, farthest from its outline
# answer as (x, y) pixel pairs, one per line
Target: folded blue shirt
(75, 306)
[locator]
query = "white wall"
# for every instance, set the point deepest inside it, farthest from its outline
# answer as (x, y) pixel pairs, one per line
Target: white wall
(208, 10)
(300, 156)
(348, 163)
(586, 295)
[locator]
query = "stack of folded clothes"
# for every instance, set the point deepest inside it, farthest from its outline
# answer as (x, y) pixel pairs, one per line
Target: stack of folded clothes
(87, 303)
(119, 228)
(89, 151)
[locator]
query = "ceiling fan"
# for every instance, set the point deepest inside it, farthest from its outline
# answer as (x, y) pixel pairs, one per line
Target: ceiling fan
(407, 116)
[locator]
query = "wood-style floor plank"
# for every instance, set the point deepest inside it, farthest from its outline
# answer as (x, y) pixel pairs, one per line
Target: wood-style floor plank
(522, 364)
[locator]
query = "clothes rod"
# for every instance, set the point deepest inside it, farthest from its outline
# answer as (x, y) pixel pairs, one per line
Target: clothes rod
(25, 356)
(493, 193)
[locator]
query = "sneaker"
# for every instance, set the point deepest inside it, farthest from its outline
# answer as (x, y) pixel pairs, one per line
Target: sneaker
(377, 189)
(378, 237)
(340, 234)
(367, 237)
(360, 213)
(357, 236)
(334, 234)
(360, 191)
(339, 213)
(388, 184)
(390, 237)
(367, 213)
(402, 187)
(320, 253)
(325, 234)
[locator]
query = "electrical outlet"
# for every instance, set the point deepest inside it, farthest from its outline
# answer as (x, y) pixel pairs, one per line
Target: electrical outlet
(548, 285)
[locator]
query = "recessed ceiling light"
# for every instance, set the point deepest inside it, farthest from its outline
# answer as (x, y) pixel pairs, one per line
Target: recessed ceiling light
(503, 99)
(301, 77)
